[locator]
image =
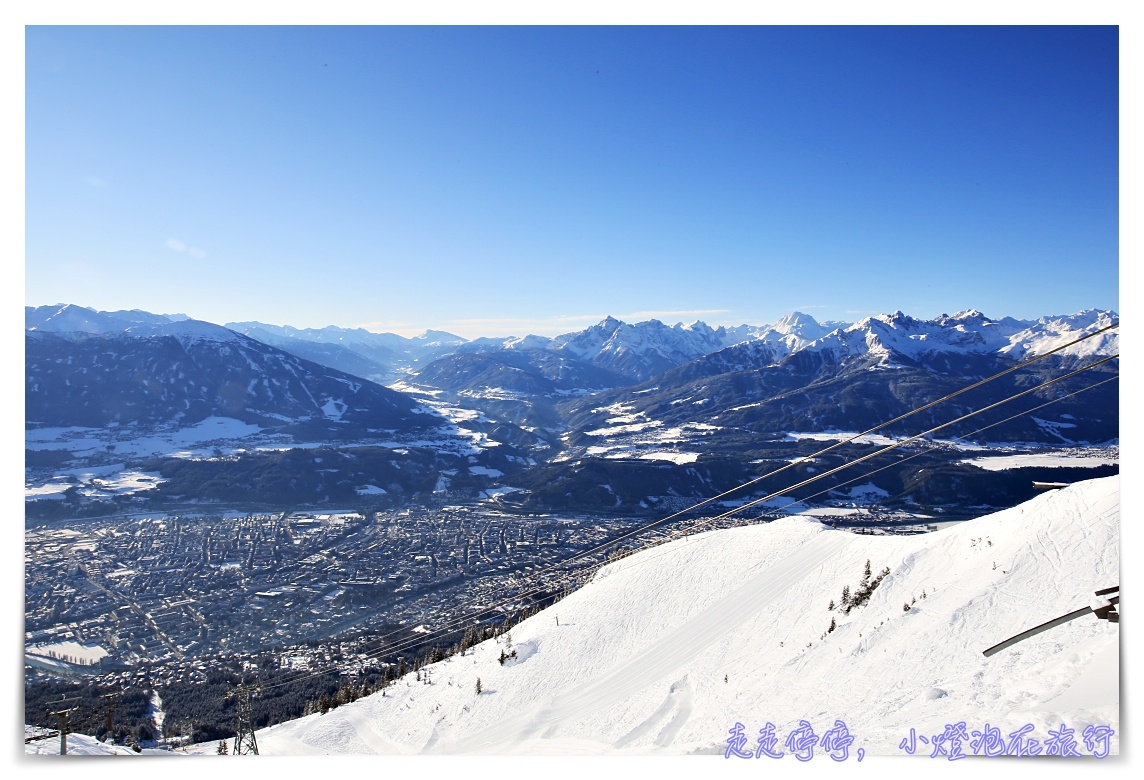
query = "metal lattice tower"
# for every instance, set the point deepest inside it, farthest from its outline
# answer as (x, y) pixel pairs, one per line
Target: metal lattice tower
(244, 742)
(63, 716)
(110, 699)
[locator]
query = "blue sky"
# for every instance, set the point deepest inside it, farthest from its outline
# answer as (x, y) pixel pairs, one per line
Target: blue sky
(495, 181)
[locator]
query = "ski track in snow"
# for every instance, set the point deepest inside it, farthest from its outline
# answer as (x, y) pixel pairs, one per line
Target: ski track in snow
(668, 653)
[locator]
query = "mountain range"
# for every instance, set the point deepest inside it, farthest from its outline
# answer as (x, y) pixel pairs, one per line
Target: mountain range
(614, 417)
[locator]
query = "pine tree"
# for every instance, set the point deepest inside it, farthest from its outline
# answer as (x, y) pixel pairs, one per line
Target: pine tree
(478, 686)
(222, 749)
(831, 606)
(832, 626)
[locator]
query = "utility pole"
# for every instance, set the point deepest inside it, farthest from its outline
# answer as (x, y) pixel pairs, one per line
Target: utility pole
(109, 698)
(244, 742)
(63, 716)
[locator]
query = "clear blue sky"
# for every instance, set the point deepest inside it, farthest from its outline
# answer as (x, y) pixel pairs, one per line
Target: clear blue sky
(495, 181)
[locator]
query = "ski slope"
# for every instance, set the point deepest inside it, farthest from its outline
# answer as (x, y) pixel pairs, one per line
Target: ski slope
(666, 650)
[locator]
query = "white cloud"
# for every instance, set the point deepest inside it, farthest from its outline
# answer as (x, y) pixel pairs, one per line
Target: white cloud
(176, 245)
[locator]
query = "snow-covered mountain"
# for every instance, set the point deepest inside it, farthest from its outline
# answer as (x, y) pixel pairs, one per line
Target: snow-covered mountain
(84, 369)
(887, 339)
(1048, 333)
(676, 649)
(793, 332)
(170, 397)
(607, 355)
(643, 350)
(646, 349)
(69, 318)
(874, 370)
(573, 397)
(381, 357)
(635, 351)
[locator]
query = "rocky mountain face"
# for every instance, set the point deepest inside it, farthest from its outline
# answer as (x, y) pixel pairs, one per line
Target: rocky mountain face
(856, 377)
(644, 350)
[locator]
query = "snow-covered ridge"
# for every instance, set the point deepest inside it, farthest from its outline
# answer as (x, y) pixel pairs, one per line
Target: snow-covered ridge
(970, 332)
(70, 319)
(353, 337)
(666, 650)
(643, 349)
(1048, 333)
(185, 331)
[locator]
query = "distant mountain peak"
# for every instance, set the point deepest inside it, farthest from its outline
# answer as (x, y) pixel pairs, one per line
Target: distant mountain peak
(610, 324)
(899, 319)
(440, 337)
(794, 322)
(71, 318)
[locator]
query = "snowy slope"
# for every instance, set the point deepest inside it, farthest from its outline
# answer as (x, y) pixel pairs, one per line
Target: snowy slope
(664, 651)
(1048, 333)
(82, 745)
(887, 337)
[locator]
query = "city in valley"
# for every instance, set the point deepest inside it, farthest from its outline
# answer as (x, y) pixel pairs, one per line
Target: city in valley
(123, 597)
(113, 594)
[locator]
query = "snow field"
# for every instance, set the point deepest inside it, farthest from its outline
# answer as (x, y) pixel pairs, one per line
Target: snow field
(665, 650)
